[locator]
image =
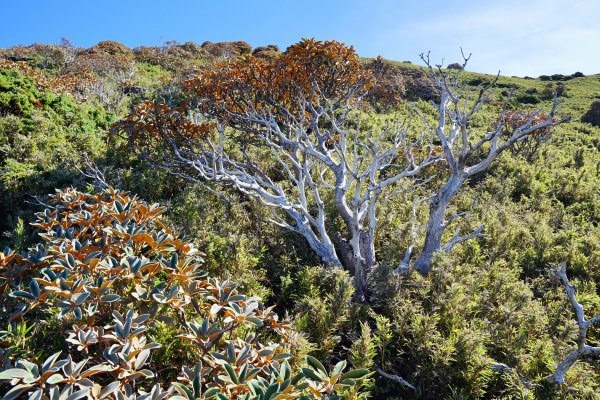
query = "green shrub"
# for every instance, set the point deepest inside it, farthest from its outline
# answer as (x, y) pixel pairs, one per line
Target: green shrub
(528, 99)
(447, 331)
(493, 301)
(42, 137)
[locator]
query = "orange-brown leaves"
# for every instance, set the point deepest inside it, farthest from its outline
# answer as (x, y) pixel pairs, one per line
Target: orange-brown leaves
(152, 121)
(331, 65)
(239, 92)
(308, 72)
(107, 262)
(9, 265)
(515, 119)
(231, 86)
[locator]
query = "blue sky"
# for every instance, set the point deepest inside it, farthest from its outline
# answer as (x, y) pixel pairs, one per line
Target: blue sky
(518, 37)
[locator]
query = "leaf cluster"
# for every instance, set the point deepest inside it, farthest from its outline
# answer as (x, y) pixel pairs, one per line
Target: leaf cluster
(111, 272)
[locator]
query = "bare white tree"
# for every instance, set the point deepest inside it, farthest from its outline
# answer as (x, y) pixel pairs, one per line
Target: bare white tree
(311, 163)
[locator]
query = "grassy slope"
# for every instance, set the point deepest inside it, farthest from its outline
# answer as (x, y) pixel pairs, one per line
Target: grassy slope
(537, 213)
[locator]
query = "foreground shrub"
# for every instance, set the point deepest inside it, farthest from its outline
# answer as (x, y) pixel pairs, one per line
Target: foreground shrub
(116, 305)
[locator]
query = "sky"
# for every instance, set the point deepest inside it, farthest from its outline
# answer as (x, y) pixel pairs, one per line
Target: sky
(516, 37)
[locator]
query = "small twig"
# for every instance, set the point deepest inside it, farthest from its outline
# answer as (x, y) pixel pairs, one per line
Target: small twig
(456, 216)
(92, 171)
(504, 369)
(394, 377)
(38, 202)
(456, 239)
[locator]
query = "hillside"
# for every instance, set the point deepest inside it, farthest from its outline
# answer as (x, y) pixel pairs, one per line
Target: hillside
(491, 320)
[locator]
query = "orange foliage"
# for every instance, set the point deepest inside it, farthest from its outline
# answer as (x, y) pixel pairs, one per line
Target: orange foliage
(311, 70)
(104, 227)
(515, 119)
(151, 121)
(13, 267)
(108, 257)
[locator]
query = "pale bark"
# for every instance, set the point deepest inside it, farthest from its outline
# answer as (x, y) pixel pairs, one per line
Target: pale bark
(436, 223)
(319, 158)
(583, 324)
(465, 153)
(394, 377)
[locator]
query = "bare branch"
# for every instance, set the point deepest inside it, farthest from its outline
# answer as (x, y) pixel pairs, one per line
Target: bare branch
(583, 349)
(39, 202)
(92, 171)
(290, 137)
(456, 239)
(465, 153)
(405, 266)
(394, 377)
(454, 217)
(505, 369)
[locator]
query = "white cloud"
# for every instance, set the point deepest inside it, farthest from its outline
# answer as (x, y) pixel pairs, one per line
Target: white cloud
(518, 37)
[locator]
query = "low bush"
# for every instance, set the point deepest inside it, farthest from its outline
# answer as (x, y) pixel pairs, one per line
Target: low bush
(455, 66)
(592, 116)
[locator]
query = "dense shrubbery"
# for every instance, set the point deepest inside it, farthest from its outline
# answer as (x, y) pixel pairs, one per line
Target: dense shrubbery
(389, 89)
(455, 66)
(268, 52)
(418, 86)
(491, 321)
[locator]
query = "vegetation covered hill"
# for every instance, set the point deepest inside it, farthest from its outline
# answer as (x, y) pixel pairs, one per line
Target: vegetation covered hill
(491, 319)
